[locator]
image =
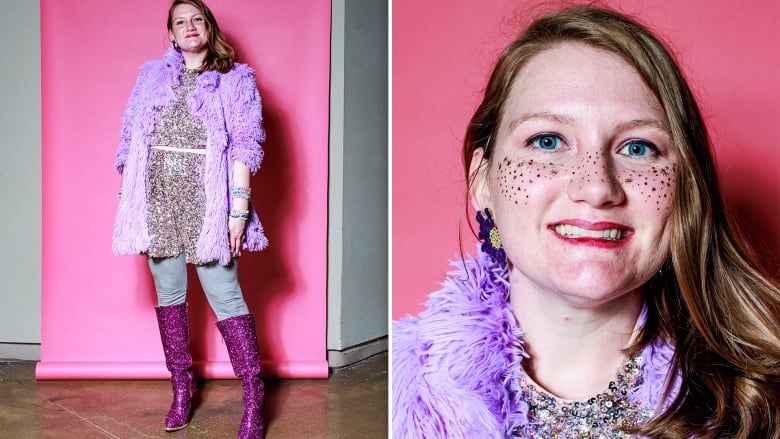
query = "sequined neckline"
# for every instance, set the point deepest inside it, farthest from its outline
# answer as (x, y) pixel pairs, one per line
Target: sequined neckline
(606, 415)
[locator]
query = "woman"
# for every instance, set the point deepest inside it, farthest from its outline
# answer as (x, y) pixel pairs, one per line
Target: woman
(190, 140)
(611, 297)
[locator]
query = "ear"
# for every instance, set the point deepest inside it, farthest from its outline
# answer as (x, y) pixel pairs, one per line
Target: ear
(170, 37)
(479, 192)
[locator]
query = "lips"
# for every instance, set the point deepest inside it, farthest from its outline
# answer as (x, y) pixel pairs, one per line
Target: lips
(570, 231)
(191, 35)
(599, 233)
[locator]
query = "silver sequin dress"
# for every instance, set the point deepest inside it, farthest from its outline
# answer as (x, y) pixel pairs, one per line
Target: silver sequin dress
(176, 178)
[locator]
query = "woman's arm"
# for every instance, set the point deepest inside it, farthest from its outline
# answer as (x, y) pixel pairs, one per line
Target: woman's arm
(245, 134)
(239, 204)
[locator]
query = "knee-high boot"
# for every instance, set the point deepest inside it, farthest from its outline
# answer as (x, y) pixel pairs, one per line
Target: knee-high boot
(174, 325)
(241, 341)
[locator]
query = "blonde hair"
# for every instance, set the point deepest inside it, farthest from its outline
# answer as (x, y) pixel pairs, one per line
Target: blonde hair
(711, 302)
(220, 56)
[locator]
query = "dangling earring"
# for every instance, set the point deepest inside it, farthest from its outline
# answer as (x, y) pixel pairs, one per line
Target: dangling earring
(175, 46)
(491, 241)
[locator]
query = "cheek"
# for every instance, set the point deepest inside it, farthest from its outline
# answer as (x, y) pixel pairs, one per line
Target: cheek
(653, 187)
(517, 178)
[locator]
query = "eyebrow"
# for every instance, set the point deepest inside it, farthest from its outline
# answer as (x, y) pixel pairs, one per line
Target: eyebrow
(567, 120)
(644, 123)
(557, 118)
(185, 16)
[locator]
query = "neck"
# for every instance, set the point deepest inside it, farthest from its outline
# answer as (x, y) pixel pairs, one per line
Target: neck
(193, 60)
(575, 349)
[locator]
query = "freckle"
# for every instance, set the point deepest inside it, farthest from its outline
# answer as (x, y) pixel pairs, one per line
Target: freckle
(530, 181)
(538, 175)
(628, 180)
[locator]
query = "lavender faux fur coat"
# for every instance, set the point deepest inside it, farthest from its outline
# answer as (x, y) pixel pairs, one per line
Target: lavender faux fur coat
(455, 365)
(229, 106)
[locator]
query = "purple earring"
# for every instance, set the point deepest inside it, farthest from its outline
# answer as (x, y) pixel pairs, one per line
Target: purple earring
(491, 241)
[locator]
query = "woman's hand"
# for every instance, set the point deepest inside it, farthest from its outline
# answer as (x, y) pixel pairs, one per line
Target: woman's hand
(236, 228)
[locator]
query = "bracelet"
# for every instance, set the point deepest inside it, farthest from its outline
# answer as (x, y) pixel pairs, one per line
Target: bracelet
(243, 214)
(241, 192)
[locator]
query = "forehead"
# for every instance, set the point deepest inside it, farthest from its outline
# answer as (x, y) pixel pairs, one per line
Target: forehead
(185, 9)
(577, 78)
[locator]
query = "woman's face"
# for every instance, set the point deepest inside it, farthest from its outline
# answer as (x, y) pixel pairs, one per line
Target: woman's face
(581, 181)
(189, 29)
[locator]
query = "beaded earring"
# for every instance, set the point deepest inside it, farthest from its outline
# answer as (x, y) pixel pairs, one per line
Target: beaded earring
(491, 240)
(175, 46)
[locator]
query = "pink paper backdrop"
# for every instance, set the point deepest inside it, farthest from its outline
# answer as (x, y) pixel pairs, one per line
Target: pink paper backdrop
(443, 52)
(98, 316)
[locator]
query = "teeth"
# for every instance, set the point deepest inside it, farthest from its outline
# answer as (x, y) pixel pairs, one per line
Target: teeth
(571, 231)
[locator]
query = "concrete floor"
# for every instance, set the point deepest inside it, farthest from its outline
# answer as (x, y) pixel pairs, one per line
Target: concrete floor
(352, 403)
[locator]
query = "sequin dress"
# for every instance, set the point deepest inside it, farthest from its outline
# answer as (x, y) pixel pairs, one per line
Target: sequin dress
(604, 416)
(176, 178)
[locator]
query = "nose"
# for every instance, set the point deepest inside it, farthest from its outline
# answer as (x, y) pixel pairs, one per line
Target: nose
(594, 181)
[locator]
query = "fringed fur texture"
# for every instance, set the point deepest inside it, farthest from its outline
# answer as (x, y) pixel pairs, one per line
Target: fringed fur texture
(455, 366)
(229, 106)
(451, 364)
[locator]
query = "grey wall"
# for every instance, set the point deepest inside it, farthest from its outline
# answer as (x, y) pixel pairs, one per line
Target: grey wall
(358, 203)
(20, 178)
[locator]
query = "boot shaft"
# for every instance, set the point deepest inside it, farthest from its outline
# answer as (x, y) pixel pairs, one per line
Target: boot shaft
(241, 341)
(174, 323)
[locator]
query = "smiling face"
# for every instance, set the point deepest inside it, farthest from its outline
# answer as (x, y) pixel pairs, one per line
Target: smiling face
(581, 180)
(188, 29)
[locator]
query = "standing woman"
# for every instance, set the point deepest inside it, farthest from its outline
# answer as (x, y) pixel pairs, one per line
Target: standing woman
(190, 139)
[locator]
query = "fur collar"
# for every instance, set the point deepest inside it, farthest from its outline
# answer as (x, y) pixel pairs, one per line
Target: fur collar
(455, 366)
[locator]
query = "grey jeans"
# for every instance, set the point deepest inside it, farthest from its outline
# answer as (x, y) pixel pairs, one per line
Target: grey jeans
(219, 282)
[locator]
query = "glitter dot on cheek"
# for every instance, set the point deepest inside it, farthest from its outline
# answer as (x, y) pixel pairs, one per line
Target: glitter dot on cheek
(517, 178)
(654, 186)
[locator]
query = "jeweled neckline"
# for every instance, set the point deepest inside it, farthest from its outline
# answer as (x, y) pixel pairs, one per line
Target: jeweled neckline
(606, 415)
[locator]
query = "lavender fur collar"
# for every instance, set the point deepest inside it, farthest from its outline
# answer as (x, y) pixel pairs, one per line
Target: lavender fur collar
(230, 107)
(455, 366)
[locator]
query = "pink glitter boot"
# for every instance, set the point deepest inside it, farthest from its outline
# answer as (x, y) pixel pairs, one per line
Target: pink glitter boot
(174, 325)
(241, 341)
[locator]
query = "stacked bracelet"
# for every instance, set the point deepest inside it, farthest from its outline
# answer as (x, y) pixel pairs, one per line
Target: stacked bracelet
(243, 214)
(241, 192)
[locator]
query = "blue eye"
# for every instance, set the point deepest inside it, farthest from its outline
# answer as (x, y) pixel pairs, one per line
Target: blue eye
(198, 19)
(637, 148)
(545, 141)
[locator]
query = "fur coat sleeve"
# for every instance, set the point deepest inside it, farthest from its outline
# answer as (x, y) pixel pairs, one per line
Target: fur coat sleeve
(453, 364)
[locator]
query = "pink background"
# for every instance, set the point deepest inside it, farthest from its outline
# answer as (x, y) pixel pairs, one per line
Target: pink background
(98, 309)
(443, 52)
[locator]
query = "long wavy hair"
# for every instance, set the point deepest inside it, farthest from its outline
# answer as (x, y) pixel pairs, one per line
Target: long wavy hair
(220, 55)
(710, 301)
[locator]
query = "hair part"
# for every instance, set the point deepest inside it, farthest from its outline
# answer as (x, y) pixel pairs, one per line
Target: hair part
(220, 55)
(711, 302)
